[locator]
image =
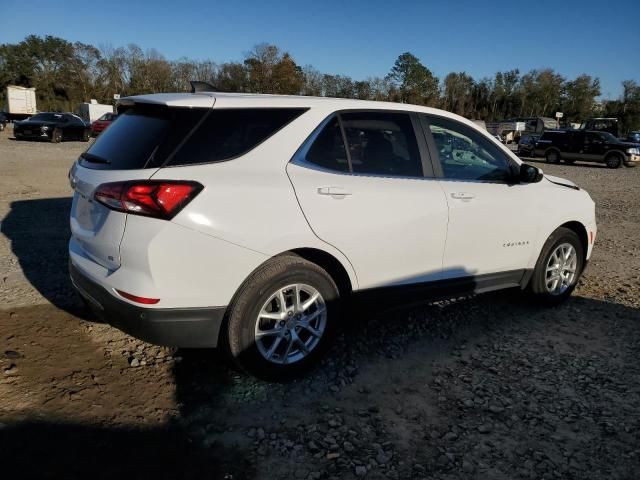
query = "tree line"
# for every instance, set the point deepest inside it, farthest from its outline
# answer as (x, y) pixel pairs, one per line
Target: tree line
(66, 74)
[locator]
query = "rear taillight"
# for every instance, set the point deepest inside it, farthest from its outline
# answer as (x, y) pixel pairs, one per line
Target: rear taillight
(151, 198)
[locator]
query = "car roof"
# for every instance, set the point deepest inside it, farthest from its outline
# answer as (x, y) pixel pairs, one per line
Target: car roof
(253, 100)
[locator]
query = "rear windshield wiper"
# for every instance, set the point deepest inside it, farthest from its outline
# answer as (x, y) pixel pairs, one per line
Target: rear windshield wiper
(90, 157)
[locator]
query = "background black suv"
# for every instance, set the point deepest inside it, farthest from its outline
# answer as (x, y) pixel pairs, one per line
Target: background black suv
(587, 146)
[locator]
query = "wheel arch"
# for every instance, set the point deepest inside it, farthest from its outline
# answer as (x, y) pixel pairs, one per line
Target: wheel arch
(616, 153)
(581, 231)
(330, 264)
(575, 226)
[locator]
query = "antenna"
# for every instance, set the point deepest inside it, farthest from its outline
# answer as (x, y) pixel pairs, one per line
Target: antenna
(198, 86)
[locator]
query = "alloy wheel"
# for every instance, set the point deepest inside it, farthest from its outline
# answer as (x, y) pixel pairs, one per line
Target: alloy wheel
(290, 324)
(561, 271)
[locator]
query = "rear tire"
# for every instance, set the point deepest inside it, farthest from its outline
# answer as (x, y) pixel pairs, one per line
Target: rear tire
(630, 164)
(614, 160)
(558, 268)
(552, 156)
(86, 136)
(268, 338)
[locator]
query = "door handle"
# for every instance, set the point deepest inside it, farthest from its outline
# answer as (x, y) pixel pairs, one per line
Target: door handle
(463, 196)
(333, 191)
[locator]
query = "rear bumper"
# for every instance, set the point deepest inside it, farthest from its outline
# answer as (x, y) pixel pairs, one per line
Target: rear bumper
(174, 327)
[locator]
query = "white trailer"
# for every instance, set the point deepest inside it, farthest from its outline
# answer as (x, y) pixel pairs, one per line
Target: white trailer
(508, 130)
(92, 111)
(21, 102)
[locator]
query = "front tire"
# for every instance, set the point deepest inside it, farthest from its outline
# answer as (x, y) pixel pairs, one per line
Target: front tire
(614, 160)
(558, 268)
(552, 156)
(283, 318)
(86, 136)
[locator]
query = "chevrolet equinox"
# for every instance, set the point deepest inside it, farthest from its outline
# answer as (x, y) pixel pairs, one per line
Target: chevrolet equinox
(215, 219)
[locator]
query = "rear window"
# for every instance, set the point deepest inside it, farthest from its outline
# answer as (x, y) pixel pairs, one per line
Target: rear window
(147, 136)
(47, 117)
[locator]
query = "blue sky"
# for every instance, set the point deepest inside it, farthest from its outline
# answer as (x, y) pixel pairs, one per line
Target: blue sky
(360, 38)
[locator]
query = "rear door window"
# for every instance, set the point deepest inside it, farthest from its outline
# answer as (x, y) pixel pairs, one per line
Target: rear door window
(150, 136)
(382, 143)
(378, 143)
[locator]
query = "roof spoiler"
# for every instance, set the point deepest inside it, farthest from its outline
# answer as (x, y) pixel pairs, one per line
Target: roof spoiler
(198, 86)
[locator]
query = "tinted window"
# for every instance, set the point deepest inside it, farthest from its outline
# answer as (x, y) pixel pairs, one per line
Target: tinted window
(46, 117)
(73, 119)
(607, 137)
(328, 149)
(143, 137)
(592, 137)
(225, 134)
(467, 155)
(382, 143)
(148, 136)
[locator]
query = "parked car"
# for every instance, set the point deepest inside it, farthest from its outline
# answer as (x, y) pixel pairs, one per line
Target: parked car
(527, 144)
(3, 121)
(54, 127)
(102, 123)
(246, 225)
(633, 137)
(586, 146)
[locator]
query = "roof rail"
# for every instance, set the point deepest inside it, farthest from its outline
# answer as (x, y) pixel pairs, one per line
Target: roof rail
(198, 86)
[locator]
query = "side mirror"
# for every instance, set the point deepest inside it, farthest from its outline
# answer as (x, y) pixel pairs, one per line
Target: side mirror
(529, 174)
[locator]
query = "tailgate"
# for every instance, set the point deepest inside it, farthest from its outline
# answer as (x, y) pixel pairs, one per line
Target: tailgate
(135, 145)
(97, 229)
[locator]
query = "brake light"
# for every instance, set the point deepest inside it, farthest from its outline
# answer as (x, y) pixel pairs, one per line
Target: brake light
(152, 198)
(137, 299)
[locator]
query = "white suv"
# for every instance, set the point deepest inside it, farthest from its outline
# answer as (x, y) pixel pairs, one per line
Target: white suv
(212, 219)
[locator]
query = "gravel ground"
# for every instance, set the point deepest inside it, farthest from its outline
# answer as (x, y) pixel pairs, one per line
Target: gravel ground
(489, 387)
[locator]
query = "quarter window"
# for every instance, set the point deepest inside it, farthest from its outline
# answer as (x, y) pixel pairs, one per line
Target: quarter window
(465, 154)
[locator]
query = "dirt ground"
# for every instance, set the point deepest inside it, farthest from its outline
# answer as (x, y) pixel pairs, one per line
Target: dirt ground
(489, 387)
